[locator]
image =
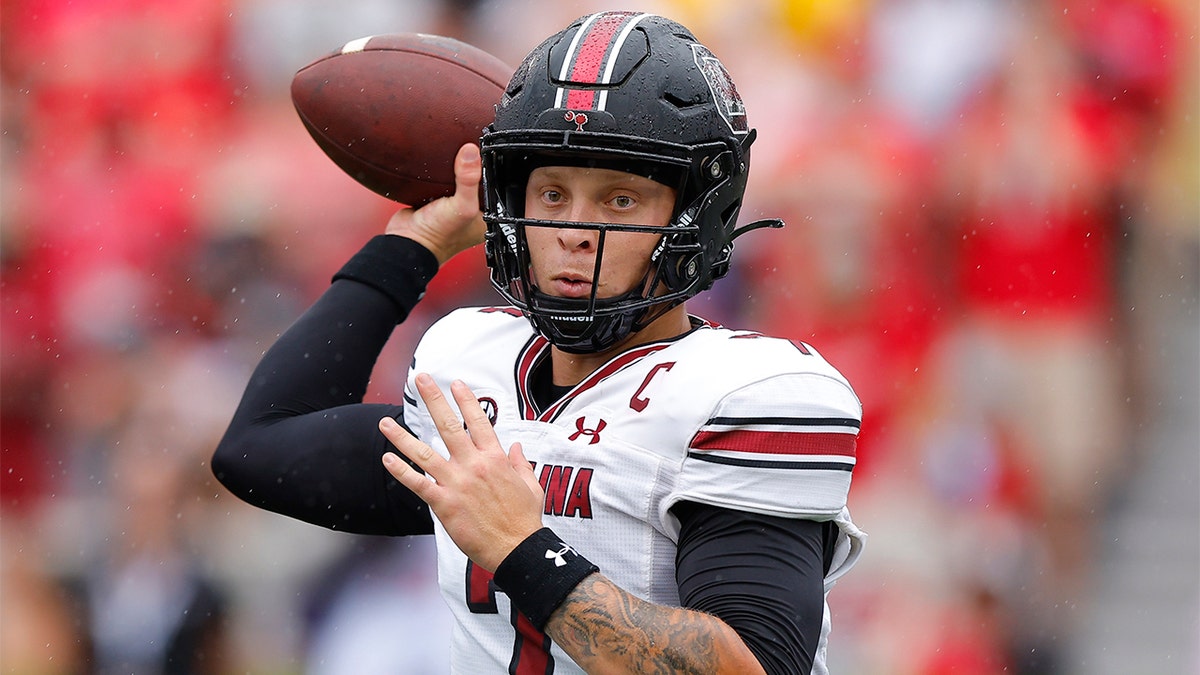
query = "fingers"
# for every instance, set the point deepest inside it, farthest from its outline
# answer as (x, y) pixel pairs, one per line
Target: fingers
(410, 478)
(449, 426)
(474, 417)
(474, 462)
(478, 433)
(401, 222)
(523, 467)
(516, 457)
(448, 225)
(420, 454)
(468, 172)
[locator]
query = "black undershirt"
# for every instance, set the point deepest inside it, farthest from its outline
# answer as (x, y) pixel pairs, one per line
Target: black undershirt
(302, 443)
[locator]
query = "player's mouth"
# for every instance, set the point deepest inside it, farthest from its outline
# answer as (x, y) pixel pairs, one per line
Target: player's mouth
(571, 286)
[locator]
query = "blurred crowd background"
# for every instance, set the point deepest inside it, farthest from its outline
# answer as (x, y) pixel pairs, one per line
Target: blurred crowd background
(993, 230)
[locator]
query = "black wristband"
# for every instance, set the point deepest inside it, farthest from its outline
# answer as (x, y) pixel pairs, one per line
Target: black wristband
(398, 267)
(539, 574)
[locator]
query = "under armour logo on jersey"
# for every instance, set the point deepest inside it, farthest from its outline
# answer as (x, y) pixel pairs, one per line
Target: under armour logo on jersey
(557, 556)
(578, 118)
(581, 430)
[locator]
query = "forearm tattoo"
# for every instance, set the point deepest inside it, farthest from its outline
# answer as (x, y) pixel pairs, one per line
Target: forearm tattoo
(606, 629)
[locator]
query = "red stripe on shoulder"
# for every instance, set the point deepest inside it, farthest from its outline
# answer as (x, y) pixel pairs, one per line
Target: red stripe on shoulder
(777, 442)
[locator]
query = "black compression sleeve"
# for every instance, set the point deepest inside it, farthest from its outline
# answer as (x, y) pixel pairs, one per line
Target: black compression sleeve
(762, 575)
(302, 442)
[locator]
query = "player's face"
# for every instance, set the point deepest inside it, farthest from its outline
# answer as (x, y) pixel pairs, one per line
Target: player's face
(562, 261)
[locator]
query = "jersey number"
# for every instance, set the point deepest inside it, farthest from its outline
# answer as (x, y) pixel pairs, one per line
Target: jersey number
(531, 647)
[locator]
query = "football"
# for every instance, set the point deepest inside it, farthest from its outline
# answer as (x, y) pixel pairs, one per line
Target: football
(393, 110)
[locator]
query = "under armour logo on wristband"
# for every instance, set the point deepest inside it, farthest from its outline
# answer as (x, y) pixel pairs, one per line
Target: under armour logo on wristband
(558, 555)
(538, 595)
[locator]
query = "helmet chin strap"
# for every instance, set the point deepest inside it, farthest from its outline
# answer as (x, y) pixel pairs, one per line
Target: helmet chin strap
(578, 329)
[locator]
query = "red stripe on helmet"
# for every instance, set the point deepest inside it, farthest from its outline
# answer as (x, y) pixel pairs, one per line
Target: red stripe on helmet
(591, 55)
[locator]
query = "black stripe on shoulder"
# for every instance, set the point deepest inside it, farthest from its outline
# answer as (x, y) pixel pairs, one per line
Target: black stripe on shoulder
(771, 464)
(789, 421)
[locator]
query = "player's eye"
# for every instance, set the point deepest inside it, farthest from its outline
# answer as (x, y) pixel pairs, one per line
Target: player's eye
(623, 202)
(552, 196)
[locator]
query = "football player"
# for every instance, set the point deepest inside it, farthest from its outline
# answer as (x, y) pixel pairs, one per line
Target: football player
(615, 485)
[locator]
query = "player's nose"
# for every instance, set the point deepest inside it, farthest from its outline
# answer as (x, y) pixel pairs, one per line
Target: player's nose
(581, 239)
(577, 240)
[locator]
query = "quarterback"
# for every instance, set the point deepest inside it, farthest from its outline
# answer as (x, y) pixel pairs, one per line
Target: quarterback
(615, 485)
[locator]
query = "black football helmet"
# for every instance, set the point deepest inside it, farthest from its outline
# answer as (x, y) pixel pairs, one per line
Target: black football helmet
(638, 93)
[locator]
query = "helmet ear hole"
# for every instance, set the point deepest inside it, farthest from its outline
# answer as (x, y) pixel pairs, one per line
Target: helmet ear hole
(682, 271)
(715, 168)
(688, 267)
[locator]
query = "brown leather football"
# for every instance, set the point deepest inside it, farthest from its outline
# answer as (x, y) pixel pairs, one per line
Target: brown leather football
(393, 110)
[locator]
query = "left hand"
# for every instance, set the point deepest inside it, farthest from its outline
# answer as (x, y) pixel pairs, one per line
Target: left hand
(487, 500)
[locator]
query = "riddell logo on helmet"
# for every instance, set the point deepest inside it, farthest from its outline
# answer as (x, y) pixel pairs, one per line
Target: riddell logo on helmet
(510, 235)
(578, 118)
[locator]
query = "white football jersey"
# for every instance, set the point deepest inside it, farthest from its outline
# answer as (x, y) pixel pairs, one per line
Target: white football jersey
(723, 417)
